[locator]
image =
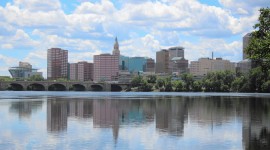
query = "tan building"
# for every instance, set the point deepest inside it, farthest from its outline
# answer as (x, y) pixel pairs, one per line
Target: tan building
(57, 63)
(205, 65)
(171, 61)
(162, 61)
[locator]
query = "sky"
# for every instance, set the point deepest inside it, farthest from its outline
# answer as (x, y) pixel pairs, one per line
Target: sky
(89, 27)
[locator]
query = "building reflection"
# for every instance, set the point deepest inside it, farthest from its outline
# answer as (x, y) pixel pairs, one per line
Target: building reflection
(58, 111)
(171, 115)
(107, 115)
(25, 108)
(114, 113)
(57, 114)
(81, 109)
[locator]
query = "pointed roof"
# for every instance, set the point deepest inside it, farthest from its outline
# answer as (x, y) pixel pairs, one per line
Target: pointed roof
(116, 45)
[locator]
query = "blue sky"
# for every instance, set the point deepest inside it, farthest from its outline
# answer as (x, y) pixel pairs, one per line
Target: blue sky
(88, 27)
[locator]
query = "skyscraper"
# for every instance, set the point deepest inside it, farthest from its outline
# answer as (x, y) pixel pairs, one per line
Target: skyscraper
(116, 50)
(106, 66)
(246, 39)
(177, 62)
(57, 63)
(82, 71)
(162, 61)
(85, 71)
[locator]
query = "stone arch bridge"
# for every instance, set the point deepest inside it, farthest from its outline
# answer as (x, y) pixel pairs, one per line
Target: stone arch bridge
(61, 86)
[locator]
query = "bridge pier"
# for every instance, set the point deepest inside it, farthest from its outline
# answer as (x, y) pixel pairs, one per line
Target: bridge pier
(107, 87)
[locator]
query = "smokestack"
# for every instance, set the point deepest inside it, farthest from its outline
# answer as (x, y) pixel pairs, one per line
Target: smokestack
(212, 55)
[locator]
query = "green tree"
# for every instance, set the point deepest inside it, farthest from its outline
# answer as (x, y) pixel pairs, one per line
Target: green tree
(151, 78)
(136, 81)
(256, 79)
(197, 86)
(6, 78)
(168, 84)
(238, 83)
(178, 86)
(188, 79)
(218, 81)
(160, 83)
(145, 86)
(266, 87)
(259, 44)
(36, 78)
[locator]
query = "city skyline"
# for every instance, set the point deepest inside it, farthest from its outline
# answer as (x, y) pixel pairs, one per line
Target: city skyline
(87, 28)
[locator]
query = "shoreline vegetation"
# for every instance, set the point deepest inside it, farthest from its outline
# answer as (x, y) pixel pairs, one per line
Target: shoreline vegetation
(222, 81)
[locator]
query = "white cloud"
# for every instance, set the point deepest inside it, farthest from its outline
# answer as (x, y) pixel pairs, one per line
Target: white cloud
(82, 56)
(14, 15)
(38, 5)
(6, 46)
(8, 60)
(204, 48)
(243, 7)
(145, 46)
(19, 40)
(104, 7)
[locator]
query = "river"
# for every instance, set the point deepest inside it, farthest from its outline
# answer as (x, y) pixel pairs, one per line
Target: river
(130, 120)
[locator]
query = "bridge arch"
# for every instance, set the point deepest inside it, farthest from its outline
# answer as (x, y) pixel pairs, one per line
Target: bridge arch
(77, 87)
(15, 87)
(35, 87)
(116, 88)
(57, 87)
(96, 87)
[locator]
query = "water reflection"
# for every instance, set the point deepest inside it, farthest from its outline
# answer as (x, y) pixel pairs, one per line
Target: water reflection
(170, 116)
(26, 108)
(57, 113)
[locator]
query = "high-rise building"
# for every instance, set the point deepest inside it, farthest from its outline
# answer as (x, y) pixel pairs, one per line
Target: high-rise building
(150, 65)
(246, 39)
(177, 62)
(85, 71)
(23, 71)
(162, 61)
(82, 71)
(73, 71)
(106, 66)
(176, 52)
(57, 63)
(171, 61)
(206, 65)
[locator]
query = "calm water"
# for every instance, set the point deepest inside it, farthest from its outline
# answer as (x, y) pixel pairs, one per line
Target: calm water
(88, 120)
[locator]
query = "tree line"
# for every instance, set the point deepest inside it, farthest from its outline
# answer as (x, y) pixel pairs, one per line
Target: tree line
(221, 81)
